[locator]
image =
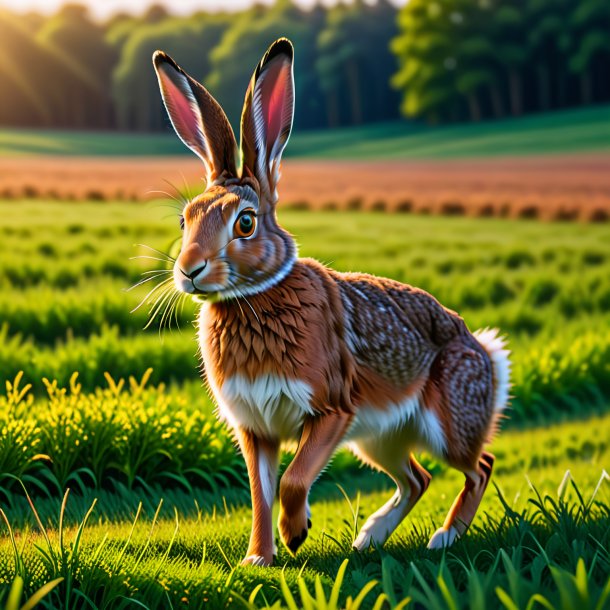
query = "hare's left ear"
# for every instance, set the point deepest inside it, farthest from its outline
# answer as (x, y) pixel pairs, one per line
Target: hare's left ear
(266, 120)
(198, 119)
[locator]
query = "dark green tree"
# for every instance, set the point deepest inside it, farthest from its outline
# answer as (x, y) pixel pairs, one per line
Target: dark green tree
(444, 59)
(354, 62)
(80, 43)
(508, 33)
(135, 89)
(590, 52)
(40, 81)
(244, 43)
(549, 40)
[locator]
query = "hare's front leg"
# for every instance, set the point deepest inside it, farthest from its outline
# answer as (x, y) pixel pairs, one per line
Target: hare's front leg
(261, 456)
(320, 437)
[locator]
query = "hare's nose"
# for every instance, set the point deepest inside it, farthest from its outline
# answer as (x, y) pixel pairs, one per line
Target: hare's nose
(193, 273)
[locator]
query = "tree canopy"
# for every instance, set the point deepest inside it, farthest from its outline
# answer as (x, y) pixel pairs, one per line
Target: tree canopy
(357, 62)
(481, 58)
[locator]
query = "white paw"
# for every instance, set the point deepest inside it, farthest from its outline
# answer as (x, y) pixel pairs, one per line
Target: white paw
(374, 533)
(255, 560)
(442, 538)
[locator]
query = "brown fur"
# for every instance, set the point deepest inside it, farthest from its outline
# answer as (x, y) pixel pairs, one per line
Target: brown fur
(465, 506)
(319, 440)
(261, 537)
(461, 375)
(293, 329)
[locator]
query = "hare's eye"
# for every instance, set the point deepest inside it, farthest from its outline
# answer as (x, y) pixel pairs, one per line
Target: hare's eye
(245, 224)
(181, 222)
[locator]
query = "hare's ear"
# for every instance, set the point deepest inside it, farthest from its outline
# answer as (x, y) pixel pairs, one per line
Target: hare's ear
(197, 118)
(266, 119)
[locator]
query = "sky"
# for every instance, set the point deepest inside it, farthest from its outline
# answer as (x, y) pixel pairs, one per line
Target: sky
(104, 8)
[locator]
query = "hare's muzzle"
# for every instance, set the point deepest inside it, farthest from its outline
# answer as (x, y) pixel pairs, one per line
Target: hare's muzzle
(196, 273)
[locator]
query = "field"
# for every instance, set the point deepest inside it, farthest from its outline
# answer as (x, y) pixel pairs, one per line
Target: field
(567, 131)
(64, 271)
(550, 167)
(560, 187)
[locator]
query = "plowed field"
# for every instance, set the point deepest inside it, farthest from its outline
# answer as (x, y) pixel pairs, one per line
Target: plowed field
(564, 187)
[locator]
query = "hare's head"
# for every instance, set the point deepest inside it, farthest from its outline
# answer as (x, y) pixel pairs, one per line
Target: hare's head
(232, 244)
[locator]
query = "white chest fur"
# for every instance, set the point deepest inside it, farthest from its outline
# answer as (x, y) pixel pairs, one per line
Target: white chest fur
(270, 406)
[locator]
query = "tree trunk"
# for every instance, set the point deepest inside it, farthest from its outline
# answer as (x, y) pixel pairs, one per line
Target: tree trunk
(496, 101)
(475, 107)
(586, 87)
(562, 88)
(544, 86)
(332, 108)
(353, 81)
(515, 91)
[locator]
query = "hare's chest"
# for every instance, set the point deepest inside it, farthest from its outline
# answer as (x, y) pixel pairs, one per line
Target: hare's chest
(271, 406)
(255, 375)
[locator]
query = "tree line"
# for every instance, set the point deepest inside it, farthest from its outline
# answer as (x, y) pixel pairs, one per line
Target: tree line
(438, 60)
(475, 59)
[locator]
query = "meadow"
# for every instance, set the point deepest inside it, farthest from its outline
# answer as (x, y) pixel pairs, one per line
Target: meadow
(117, 413)
(565, 131)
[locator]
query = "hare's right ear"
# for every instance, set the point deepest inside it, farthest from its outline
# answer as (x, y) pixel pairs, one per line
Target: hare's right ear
(197, 118)
(266, 120)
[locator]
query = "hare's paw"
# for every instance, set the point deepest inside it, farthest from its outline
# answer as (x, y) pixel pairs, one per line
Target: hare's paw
(443, 538)
(257, 560)
(372, 533)
(294, 521)
(294, 529)
(378, 527)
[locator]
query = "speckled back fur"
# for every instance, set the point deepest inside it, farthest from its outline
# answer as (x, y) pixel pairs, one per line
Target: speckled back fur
(393, 328)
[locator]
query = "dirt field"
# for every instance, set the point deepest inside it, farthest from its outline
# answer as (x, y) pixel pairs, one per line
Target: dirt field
(574, 187)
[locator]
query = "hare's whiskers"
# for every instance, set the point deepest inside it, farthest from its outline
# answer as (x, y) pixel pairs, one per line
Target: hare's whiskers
(155, 308)
(170, 310)
(151, 292)
(160, 252)
(182, 199)
(173, 197)
(240, 295)
(187, 189)
(151, 271)
(150, 258)
(234, 287)
(144, 281)
(166, 318)
(177, 311)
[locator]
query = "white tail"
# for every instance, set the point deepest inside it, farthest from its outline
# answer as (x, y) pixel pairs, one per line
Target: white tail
(495, 346)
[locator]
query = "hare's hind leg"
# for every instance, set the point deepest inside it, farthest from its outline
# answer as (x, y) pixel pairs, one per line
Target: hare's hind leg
(411, 480)
(460, 391)
(465, 506)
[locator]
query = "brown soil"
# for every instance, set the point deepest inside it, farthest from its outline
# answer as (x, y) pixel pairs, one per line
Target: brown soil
(575, 187)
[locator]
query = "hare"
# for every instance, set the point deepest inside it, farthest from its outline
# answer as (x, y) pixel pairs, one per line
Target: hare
(295, 351)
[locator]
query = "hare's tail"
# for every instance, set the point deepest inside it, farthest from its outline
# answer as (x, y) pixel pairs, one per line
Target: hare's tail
(495, 346)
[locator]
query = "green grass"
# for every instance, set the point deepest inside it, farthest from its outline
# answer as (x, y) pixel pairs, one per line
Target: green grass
(566, 131)
(65, 308)
(64, 269)
(544, 532)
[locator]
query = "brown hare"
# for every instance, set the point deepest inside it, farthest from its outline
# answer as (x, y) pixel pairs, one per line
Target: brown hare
(294, 351)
